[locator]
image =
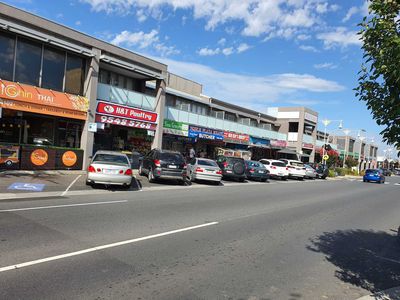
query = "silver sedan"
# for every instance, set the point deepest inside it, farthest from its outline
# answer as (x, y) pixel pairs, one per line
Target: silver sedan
(109, 168)
(204, 169)
(310, 172)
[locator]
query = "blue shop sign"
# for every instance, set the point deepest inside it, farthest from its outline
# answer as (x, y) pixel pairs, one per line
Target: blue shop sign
(205, 133)
(259, 142)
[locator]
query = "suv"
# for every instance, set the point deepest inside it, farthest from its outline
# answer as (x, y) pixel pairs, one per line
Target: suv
(163, 164)
(276, 168)
(296, 168)
(232, 167)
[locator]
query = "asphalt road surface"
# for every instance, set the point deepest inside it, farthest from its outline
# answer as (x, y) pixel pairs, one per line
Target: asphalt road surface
(283, 240)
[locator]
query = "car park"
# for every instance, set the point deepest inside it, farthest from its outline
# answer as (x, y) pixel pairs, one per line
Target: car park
(256, 171)
(232, 167)
(296, 168)
(163, 164)
(375, 175)
(204, 169)
(311, 173)
(109, 168)
(276, 168)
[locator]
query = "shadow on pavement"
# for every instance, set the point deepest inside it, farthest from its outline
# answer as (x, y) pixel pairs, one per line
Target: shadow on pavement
(365, 258)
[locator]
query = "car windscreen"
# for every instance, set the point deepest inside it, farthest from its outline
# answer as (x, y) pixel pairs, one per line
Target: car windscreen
(255, 164)
(369, 171)
(278, 164)
(297, 164)
(103, 158)
(203, 162)
(172, 157)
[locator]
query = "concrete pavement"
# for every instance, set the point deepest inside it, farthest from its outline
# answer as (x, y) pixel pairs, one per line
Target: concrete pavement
(293, 240)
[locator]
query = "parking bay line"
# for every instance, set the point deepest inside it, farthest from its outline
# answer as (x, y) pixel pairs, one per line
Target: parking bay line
(71, 184)
(61, 206)
(102, 247)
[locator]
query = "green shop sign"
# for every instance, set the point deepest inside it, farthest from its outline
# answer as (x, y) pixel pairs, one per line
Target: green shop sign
(176, 128)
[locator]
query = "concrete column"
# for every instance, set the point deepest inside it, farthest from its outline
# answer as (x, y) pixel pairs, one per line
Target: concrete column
(160, 109)
(90, 92)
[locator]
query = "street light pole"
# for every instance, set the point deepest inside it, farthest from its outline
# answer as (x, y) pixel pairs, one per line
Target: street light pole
(326, 122)
(361, 138)
(346, 132)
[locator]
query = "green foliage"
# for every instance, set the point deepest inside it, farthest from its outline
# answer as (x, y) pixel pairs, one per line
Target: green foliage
(379, 81)
(351, 162)
(332, 173)
(340, 171)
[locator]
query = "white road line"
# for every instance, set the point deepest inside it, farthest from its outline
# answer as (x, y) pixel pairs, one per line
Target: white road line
(102, 247)
(72, 183)
(60, 206)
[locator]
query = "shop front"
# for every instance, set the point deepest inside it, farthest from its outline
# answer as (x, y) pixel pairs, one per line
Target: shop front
(206, 140)
(123, 128)
(176, 136)
(40, 128)
(276, 147)
(307, 150)
(260, 148)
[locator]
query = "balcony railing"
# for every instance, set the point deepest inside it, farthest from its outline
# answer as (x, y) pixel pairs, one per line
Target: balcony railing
(117, 95)
(211, 122)
(308, 139)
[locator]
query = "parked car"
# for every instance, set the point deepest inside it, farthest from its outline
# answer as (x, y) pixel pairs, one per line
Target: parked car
(296, 168)
(276, 168)
(310, 172)
(386, 172)
(204, 169)
(322, 170)
(375, 175)
(256, 171)
(109, 168)
(163, 164)
(232, 167)
(136, 159)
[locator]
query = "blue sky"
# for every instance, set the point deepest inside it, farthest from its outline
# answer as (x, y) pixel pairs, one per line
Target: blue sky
(255, 53)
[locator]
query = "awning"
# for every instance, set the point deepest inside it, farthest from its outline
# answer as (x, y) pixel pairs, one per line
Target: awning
(305, 155)
(287, 151)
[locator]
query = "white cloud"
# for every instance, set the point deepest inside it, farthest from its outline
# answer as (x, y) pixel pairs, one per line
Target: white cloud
(227, 51)
(141, 16)
(325, 66)
(303, 102)
(242, 48)
(208, 52)
(357, 10)
(259, 91)
(143, 40)
(258, 17)
(303, 37)
(222, 42)
(341, 37)
(78, 23)
(308, 48)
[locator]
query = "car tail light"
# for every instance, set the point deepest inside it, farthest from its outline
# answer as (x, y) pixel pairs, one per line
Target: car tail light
(273, 167)
(199, 169)
(287, 168)
(225, 164)
(219, 172)
(157, 163)
(128, 172)
(121, 171)
(91, 169)
(98, 170)
(251, 170)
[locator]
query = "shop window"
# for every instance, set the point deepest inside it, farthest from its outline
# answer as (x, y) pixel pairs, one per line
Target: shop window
(69, 134)
(53, 69)
(293, 126)
(39, 130)
(230, 116)
(28, 62)
(7, 48)
(74, 75)
(104, 77)
(253, 123)
(170, 100)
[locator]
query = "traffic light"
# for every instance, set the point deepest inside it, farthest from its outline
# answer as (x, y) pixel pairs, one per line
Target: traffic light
(327, 147)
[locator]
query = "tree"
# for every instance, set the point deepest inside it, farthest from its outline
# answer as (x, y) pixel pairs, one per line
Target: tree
(379, 81)
(351, 162)
(333, 159)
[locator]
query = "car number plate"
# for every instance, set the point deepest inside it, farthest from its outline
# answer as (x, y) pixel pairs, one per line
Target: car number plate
(172, 167)
(110, 171)
(280, 173)
(228, 171)
(261, 172)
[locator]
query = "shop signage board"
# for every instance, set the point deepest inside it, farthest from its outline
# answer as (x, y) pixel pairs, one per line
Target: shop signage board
(308, 146)
(125, 122)
(259, 142)
(206, 133)
(236, 138)
(176, 128)
(130, 113)
(278, 143)
(28, 98)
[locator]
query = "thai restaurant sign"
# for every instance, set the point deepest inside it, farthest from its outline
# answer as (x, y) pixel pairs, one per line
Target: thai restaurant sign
(236, 138)
(28, 98)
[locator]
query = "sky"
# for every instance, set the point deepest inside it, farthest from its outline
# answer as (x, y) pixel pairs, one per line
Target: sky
(254, 53)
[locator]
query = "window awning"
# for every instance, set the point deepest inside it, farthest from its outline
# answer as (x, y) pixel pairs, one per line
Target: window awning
(287, 151)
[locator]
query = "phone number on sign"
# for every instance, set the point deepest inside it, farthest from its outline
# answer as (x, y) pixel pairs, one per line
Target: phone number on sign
(125, 122)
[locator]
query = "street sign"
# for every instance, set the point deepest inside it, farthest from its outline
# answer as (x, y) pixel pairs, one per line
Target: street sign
(325, 157)
(34, 187)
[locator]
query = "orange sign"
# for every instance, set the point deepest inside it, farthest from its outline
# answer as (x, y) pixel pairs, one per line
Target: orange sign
(32, 99)
(69, 158)
(39, 157)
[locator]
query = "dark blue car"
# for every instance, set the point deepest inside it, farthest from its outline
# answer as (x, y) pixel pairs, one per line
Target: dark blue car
(375, 175)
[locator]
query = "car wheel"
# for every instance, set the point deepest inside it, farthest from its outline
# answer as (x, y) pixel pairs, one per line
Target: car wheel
(150, 176)
(89, 183)
(241, 180)
(264, 180)
(364, 180)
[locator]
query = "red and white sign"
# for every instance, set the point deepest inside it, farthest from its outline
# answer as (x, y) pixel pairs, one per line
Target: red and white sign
(116, 110)
(308, 146)
(125, 122)
(278, 143)
(233, 137)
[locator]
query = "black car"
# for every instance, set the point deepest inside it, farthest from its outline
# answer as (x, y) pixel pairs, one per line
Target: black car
(256, 171)
(322, 171)
(163, 164)
(232, 167)
(386, 172)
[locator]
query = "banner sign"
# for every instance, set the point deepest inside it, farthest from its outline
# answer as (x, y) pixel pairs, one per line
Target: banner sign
(121, 111)
(236, 138)
(259, 142)
(278, 143)
(125, 122)
(308, 146)
(33, 99)
(176, 128)
(9, 157)
(205, 133)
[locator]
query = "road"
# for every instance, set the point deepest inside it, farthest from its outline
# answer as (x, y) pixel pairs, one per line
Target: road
(279, 240)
